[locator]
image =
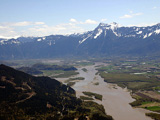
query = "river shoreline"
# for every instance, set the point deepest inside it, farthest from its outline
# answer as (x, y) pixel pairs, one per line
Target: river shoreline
(115, 99)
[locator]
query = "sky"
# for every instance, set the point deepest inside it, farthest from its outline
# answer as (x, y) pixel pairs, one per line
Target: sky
(50, 17)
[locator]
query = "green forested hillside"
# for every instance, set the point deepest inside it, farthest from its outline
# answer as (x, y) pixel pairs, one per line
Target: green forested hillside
(24, 97)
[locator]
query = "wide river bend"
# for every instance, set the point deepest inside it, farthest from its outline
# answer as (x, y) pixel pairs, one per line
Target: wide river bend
(115, 99)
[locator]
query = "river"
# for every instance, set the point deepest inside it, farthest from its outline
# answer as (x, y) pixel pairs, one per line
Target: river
(115, 99)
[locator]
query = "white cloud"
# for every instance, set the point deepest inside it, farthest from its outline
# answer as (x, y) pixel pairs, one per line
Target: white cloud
(103, 20)
(73, 20)
(89, 21)
(25, 23)
(137, 14)
(39, 23)
(67, 28)
(7, 32)
(11, 30)
(154, 7)
(131, 15)
(126, 16)
(3, 27)
(28, 28)
(21, 24)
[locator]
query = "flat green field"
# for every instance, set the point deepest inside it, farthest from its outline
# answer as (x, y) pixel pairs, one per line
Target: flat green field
(154, 108)
(84, 63)
(52, 72)
(131, 81)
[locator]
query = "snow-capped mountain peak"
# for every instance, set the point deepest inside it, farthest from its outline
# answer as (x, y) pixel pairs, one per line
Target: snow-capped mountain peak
(104, 30)
(111, 26)
(114, 25)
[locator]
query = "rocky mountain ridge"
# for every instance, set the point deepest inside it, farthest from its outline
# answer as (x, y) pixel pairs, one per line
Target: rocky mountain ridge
(105, 40)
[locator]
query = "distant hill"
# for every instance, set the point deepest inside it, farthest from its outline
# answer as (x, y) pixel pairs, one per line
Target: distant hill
(24, 97)
(36, 68)
(105, 40)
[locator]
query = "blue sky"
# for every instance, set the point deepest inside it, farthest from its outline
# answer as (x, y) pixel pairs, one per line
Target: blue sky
(45, 17)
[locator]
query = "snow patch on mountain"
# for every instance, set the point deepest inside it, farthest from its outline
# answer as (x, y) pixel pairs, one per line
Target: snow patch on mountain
(145, 36)
(15, 42)
(3, 41)
(6, 41)
(114, 25)
(39, 39)
(149, 34)
(157, 31)
(99, 33)
(80, 42)
(43, 38)
(116, 34)
(140, 32)
(111, 26)
(137, 29)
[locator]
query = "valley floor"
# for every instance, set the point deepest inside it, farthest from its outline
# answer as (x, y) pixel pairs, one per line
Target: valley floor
(115, 99)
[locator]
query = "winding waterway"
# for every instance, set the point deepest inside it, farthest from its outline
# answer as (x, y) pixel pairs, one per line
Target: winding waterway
(115, 99)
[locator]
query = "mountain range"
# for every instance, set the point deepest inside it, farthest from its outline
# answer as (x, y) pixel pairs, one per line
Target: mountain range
(105, 40)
